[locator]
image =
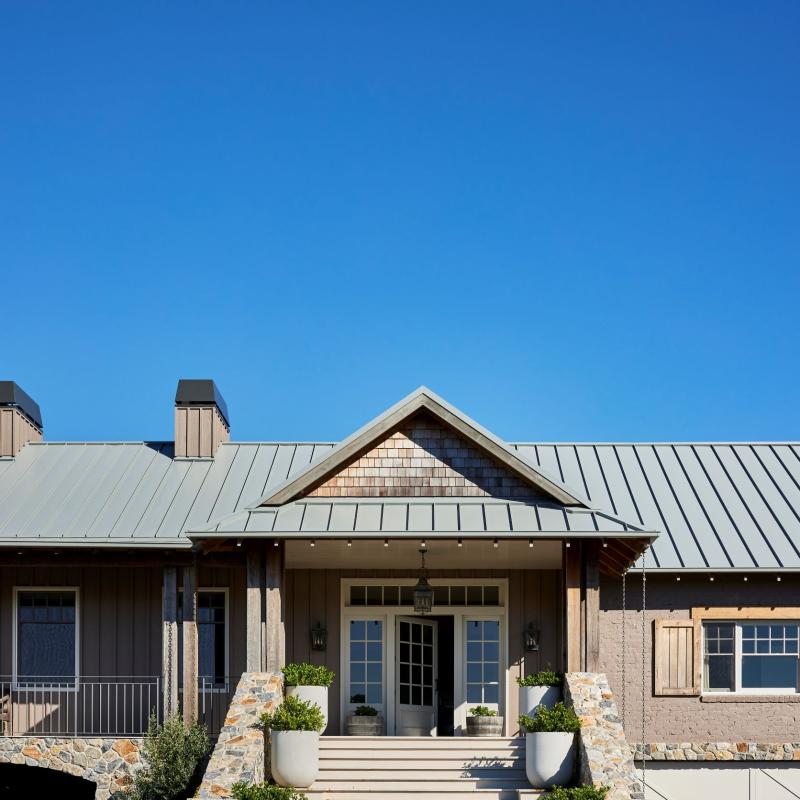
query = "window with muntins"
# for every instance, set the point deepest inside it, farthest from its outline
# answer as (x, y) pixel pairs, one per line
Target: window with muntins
(46, 636)
(483, 661)
(751, 657)
(211, 637)
(366, 661)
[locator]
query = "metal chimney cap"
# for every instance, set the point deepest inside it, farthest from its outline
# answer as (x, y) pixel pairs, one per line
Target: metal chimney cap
(12, 395)
(203, 392)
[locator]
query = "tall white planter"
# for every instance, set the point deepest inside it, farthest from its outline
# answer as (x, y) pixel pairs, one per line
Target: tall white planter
(532, 696)
(312, 694)
(294, 758)
(549, 759)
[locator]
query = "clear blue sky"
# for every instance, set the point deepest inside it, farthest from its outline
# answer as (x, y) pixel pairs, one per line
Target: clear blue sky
(575, 221)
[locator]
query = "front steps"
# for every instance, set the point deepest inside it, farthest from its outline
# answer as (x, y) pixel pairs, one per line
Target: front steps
(429, 768)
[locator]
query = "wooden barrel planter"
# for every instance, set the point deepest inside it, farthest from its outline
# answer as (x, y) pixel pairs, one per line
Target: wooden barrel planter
(484, 726)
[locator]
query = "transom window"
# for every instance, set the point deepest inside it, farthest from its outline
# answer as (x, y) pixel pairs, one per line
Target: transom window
(751, 656)
(472, 595)
(47, 636)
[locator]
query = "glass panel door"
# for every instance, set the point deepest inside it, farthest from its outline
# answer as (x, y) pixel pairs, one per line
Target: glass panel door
(416, 677)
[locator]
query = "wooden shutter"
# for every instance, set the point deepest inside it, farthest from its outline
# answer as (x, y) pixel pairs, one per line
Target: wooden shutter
(677, 657)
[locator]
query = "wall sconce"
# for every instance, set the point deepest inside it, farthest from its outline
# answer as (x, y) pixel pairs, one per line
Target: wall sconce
(319, 637)
(530, 639)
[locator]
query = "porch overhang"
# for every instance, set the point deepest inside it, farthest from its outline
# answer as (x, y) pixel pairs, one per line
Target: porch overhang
(439, 520)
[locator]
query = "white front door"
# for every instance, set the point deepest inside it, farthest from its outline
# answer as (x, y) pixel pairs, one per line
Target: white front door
(416, 677)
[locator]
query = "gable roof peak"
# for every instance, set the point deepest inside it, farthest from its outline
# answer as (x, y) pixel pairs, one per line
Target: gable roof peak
(387, 422)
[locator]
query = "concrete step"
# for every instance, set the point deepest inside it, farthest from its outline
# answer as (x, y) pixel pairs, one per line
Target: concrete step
(392, 784)
(425, 764)
(384, 773)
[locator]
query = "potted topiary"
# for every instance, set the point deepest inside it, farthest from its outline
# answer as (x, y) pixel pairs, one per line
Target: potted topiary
(550, 745)
(539, 689)
(584, 792)
(365, 721)
(484, 721)
(309, 682)
(294, 730)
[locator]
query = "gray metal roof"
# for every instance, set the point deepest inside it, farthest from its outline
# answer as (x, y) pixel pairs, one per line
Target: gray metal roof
(717, 506)
(424, 515)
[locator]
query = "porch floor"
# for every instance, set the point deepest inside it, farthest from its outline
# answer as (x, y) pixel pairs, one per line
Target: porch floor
(431, 768)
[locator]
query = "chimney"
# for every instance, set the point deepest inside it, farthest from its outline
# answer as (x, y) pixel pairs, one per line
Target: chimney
(20, 419)
(201, 419)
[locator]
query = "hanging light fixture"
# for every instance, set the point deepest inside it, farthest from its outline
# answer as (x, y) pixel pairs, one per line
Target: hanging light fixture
(423, 593)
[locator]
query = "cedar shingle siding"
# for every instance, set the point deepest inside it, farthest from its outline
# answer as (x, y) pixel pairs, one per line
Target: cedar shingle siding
(423, 459)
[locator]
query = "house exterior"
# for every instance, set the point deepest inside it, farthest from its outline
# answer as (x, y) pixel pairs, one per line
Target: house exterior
(149, 577)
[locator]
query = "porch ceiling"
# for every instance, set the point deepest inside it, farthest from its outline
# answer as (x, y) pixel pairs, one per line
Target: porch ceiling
(440, 555)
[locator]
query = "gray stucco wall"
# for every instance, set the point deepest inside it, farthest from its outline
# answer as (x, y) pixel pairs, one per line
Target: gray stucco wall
(689, 719)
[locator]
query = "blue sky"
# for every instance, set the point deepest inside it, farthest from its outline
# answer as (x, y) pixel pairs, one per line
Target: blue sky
(575, 221)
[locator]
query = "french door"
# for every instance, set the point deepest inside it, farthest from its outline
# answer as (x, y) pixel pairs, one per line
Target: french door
(416, 676)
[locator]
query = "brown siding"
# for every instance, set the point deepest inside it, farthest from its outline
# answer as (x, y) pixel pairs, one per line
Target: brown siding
(424, 459)
(120, 614)
(533, 597)
(199, 431)
(16, 430)
(688, 719)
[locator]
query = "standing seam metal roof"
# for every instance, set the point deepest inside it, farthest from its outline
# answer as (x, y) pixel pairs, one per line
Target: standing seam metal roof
(717, 505)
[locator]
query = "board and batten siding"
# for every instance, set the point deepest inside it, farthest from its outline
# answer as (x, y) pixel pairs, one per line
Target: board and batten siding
(120, 614)
(534, 597)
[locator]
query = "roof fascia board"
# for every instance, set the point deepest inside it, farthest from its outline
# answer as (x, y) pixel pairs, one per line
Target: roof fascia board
(383, 424)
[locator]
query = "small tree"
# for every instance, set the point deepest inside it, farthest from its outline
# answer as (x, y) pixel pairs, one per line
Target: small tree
(171, 754)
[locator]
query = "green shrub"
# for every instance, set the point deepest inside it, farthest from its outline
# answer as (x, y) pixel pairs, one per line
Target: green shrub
(578, 793)
(307, 675)
(171, 755)
(294, 714)
(264, 791)
(366, 711)
(483, 711)
(543, 678)
(559, 719)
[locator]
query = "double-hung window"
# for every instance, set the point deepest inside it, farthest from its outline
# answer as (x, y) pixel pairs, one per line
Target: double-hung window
(46, 637)
(751, 657)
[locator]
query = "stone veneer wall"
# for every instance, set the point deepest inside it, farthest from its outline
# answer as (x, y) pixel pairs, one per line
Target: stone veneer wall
(605, 758)
(424, 459)
(240, 751)
(719, 751)
(109, 763)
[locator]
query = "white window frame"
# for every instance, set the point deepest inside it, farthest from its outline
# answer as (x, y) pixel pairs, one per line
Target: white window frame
(208, 589)
(738, 624)
(57, 687)
(389, 615)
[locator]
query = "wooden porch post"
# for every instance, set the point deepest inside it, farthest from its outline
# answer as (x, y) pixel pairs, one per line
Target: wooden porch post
(169, 641)
(572, 589)
(275, 634)
(255, 604)
(190, 659)
(591, 577)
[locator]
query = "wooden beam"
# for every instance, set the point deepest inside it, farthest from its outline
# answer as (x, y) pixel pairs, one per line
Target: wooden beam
(190, 655)
(255, 604)
(591, 578)
(572, 604)
(275, 634)
(169, 641)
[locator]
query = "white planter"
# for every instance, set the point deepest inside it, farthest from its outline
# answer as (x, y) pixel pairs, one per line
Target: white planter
(549, 759)
(365, 726)
(532, 696)
(312, 694)
(294, 758)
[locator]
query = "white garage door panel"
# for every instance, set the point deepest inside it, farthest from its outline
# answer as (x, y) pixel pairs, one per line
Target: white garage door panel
(731, 781)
